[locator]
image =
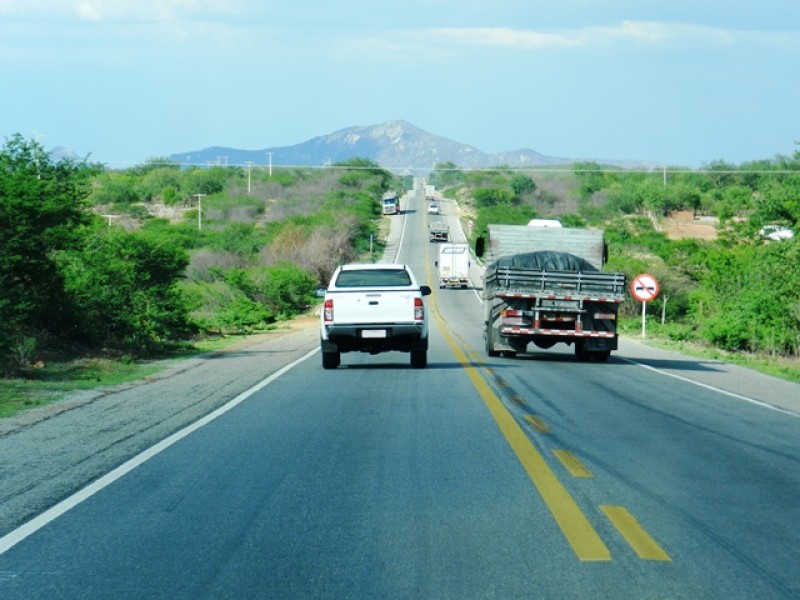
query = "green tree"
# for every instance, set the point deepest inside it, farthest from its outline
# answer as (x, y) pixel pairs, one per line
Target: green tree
(446, 174)
(503, 214)
(123, 287)
(780, 202)
(165, 182)
(522, 184)
(591, 178)
(207, 181)
(493, 197)
(118, 188)
(367, 167)
(42, 208)
(288, 289)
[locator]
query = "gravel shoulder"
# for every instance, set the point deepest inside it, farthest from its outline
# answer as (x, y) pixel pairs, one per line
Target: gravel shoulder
(49, 453)
(739, 382)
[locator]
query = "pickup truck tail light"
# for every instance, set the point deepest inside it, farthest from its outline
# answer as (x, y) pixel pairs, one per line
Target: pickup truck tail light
(327, 311)
(419, 310)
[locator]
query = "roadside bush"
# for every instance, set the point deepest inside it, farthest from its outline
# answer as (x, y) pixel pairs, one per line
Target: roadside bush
(124, 294)
(503, 214)
(288, 289)
(242, 315)
(486, 197)
(746, 302)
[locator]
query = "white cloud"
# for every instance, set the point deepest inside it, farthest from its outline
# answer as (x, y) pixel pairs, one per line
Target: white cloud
(501, 36)
(104, 10)
(649, 33)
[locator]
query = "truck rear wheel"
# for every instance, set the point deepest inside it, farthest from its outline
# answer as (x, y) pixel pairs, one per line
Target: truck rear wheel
(490, 343)
(331, 360)
(601, 355)
(419, 359)
(580, 351)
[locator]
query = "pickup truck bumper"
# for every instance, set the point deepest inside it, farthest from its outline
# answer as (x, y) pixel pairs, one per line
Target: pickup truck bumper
(375, 338)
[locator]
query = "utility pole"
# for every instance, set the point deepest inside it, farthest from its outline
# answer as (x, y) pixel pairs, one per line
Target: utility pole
(270, 164)
(249, 164)
(199, 211)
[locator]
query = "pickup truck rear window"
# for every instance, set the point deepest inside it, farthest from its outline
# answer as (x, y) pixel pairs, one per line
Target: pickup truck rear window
(374, 278)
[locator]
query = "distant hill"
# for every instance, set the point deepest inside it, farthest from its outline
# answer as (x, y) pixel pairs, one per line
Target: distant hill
(395, 145)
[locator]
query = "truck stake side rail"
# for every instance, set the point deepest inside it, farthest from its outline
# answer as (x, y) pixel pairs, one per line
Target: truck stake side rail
(509, 281)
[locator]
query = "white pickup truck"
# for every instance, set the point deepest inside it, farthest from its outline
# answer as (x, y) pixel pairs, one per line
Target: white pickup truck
(374, 308)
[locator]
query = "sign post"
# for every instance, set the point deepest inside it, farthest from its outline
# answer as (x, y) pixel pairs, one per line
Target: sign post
(644, 288)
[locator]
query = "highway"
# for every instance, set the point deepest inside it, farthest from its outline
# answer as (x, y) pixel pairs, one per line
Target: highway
(649, 476)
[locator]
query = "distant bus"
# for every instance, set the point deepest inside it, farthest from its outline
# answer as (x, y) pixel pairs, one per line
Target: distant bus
(390, 203)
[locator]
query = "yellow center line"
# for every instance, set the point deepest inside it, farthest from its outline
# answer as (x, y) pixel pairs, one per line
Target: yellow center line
(580, 534)
(636, 536)
(575, 467)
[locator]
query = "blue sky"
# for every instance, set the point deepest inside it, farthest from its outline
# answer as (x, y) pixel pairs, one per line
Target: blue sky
(683, 83)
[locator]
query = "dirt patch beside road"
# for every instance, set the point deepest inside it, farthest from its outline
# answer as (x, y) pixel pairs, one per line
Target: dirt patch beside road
(681, 225)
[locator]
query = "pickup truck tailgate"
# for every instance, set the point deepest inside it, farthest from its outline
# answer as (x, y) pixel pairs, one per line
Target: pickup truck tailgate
(373, 307)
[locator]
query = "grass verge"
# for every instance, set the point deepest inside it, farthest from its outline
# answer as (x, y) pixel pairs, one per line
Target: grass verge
(60, 376)
(778, 366)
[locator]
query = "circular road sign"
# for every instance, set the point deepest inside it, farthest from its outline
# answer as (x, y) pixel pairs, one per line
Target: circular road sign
(644, 287)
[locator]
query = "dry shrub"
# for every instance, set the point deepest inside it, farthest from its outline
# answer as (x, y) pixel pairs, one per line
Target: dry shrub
(319, 252)
(204, 260)
(242, 213)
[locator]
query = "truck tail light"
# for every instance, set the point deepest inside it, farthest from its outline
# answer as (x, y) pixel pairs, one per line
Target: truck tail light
(419, 310)
(605, 316)
(327, 311)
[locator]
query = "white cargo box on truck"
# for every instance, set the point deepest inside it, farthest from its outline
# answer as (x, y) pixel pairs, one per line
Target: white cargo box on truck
(453, 265)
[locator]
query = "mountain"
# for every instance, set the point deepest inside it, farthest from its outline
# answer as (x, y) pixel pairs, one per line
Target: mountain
(395, 145)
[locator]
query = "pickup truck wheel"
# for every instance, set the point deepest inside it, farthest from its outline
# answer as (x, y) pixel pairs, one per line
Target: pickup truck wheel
(331, 360)
(419, 359)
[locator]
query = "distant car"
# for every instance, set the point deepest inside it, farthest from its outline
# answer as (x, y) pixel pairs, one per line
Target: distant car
(433, 208)
(776, 233)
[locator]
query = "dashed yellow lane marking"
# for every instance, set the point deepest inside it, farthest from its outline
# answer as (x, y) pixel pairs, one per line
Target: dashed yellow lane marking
(575, 467)
(581, 536)
(579, 532)
(638, 539)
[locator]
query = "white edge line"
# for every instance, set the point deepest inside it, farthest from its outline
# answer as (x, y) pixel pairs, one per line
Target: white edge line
(760, 403)
(402, 236)
(13, 538)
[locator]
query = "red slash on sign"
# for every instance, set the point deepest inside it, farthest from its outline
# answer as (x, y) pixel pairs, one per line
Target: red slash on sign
(644, 287)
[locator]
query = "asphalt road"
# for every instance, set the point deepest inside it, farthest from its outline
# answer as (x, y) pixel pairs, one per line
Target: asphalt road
(654, 475)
